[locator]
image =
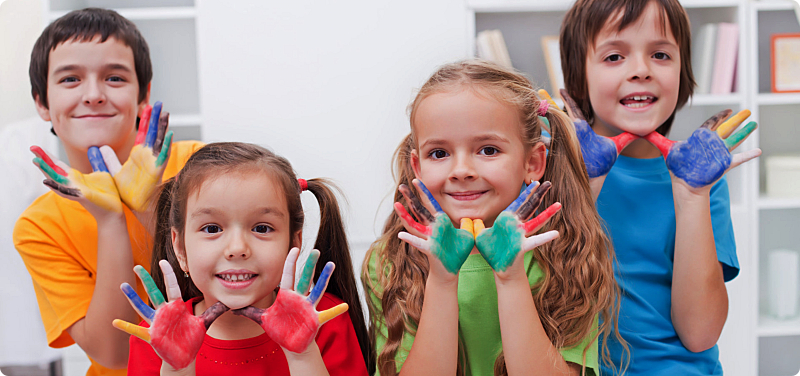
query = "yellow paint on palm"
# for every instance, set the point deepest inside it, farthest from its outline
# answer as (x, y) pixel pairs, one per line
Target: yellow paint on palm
(137, 178)
(99, 188)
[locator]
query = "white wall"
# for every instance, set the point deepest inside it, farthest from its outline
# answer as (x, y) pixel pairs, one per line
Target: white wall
(20, 25)
(325, 84)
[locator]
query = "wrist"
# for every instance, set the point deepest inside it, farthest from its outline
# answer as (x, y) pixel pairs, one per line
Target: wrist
(512, 277)
(310, 352)
(441, 277)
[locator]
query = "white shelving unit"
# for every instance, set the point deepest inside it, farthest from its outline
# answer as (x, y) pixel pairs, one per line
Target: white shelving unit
(752, 342)
(170, 29)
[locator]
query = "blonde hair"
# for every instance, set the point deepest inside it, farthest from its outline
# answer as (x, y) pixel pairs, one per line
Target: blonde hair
(578, 282)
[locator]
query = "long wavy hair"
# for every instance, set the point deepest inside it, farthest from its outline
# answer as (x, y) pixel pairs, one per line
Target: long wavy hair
(220, 158)
(578, 282)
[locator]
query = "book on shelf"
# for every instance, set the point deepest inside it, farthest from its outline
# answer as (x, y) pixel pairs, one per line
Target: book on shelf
(703, 57)
(552, 59)
(492, 46)
(725, 58)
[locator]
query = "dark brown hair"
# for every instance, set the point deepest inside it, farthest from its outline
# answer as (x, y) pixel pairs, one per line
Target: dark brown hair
(578, 282)
(84, 25)
(216, 159)
(587, 18)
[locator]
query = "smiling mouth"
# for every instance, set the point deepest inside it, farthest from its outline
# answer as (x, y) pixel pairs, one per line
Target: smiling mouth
(236, 277)
(638, 101)
(98, 116)
(466, 196)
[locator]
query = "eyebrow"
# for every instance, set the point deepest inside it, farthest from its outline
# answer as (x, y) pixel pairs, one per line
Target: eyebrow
(480, 138)
(110, 66)
(261, 211)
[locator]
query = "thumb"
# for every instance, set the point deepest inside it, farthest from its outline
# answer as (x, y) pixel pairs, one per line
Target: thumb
(111, 160)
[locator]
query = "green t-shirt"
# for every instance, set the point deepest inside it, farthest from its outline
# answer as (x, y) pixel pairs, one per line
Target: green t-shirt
(478, 319)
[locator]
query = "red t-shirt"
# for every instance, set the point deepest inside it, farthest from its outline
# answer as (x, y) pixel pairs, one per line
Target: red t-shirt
(260, 355)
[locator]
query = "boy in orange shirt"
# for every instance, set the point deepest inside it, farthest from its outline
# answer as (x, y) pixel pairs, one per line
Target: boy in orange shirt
(90, 74)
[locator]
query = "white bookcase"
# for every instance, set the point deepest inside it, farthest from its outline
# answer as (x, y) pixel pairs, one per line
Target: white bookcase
(170, 28)
(752, 343)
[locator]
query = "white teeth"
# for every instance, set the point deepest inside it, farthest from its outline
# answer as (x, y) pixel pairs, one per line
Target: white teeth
(236, 277)
(641, 97)
(635, 105)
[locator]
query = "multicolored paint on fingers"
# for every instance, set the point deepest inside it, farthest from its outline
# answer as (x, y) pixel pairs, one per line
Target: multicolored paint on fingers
(97, 187)
(703, 158)
(174, 333)
(599, 152)
(506, 239)
(292, 320)
(450, 245)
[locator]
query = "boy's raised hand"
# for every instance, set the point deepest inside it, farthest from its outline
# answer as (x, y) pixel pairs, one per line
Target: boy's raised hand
(703, 158)
(599, 152)
(508, 239)
(138, 177)
(435, 236)
(292, 320)
(95, 191)
(175, 333)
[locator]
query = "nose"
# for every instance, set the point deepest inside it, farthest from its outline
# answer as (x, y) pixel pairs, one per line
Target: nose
(640, 68)
(463, 168)
(237, 246)
(94, 92)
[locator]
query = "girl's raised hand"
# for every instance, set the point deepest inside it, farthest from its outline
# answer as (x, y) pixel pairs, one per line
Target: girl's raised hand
(436, 235)
(705, 156)
(508, 239)
(175, 333)
(96, 191)
(140, 175)
(599, 152)
(292, 320)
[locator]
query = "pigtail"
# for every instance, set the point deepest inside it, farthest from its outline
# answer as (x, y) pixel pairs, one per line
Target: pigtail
(332, 242)
(162, 243)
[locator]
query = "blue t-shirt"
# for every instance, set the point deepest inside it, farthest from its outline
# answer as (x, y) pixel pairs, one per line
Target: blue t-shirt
(637, 206)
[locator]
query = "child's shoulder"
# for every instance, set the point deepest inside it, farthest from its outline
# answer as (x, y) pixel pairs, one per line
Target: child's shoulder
(49, 213)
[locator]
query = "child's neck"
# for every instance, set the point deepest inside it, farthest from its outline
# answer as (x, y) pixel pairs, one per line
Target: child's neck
(640, 148)
(230, 327)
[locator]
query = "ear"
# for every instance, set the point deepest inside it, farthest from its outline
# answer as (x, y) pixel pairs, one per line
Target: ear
(297, 240)
(535, 163)
(180, 252)
(414, 159)
(145, 101)
(43, 111)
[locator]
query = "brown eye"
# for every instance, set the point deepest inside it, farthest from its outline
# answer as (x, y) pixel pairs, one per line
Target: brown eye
(211, 229)
(438, 154)
(262, 229)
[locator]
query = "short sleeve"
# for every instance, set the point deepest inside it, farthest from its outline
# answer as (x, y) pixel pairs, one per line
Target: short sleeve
(575, 354)
(338, 343)
(723, 229)
(142, 359)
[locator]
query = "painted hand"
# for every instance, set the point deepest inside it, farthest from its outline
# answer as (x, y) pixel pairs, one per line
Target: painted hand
(141, 173)
(705, 156)
(436, 235)
(599, 152)
(175, 333)
(292, 320)
(502, 243)
(95, 191)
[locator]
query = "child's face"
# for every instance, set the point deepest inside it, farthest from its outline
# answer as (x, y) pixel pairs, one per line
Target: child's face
(236, 239)
(470, 153)
(93, 93)
(633, 76)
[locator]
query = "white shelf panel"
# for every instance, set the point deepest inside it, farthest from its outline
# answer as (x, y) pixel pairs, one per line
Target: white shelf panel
(771, 327)
(767, 99)
(773, 5)
(773, 203)
(146, 13)
(185, 120)
(498, 6)
(715, 99)
(709, 3)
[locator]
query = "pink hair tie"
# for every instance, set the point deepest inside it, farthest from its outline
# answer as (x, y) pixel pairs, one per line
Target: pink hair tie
(543, 105)
(303, 184)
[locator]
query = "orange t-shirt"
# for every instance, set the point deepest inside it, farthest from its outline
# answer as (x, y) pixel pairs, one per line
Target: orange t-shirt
(57, 239)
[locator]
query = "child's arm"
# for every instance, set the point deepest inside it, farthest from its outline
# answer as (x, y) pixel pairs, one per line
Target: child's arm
(98, 194)
(699, 296)
(525, 343)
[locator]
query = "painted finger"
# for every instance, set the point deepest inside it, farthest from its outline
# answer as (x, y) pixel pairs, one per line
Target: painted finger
(58, 188)
(468, 225)
(537, 240)
(110, 158)
(321, 285)
(731, 124)
(737, 138)
(170, 281)
(546, 96)
(50, 172)
(533, 202)
(330, 313)
(144, 122)
(659, 141)
(743, 157)
(713, 122)
(573, 110)
(287, 278)
(212, 313)
(166, 147)
(150, 286)
(307, 274)
(622, 140)
(96, 159)
(137, 303)
(49, 161)
(163, 124)
(514, 206)
(477, 227)
(421, 186)
(152, 127)
(419, 210)
(410, 224)
(136, 330)
(415, 241)
(251, 313)
(537, 222)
